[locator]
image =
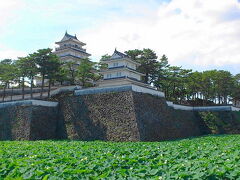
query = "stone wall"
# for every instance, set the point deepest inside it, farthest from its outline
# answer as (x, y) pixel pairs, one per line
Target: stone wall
(225, 122)
(15, 123)
(108, 116)
(157, 121)
(112, 116)
(28, 122)
(126, 116)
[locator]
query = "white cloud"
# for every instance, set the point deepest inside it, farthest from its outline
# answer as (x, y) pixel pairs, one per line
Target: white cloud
(8, 10)
(187, 31)
(6, 53)
(204, 33)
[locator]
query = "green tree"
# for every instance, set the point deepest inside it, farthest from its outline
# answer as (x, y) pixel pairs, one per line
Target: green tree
(235, 93)
(22, 64)
(193, 85)
(53, 68)
(32, 71)
(134, 54)
(224, 83)
(102, 65)
(62, 75)
(161, 75)
(70, 70)
(7, 74)
(48, 64)
(148, 60)
(86, 72)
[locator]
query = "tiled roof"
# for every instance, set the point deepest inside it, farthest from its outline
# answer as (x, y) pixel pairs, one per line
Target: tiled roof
(118, 55)
(76, 49)
(70, 56)
(68, 36)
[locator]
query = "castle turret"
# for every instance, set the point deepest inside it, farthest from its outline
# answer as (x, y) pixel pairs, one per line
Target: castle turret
(121, 70)
(71, 49)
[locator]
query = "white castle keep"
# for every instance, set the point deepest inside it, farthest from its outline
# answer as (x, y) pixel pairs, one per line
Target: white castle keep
(121, 70)
(71, 49)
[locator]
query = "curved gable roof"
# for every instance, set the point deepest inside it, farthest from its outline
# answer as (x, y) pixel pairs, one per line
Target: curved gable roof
(68, 36)
(116, 55)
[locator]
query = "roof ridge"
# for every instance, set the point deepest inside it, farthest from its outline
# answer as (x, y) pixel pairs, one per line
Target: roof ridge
(120, 53)
(70, 36)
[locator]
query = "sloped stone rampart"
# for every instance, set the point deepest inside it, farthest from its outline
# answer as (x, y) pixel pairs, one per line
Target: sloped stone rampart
(28, 121)
(15, 123)
(132, 116)
(157, 121)
(122, 88)
(225, 122)
(108, 116)
(111, 116)
(127, 116)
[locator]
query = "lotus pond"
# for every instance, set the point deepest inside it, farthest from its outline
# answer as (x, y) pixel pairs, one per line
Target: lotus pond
(209, 157)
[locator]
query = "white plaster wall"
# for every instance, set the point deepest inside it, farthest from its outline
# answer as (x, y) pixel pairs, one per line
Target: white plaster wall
(111, 64)
(115, 84)
(202, 108)
(29, 102)
(181, 107)
(235, 108)
(135, 76)
(71, 52)
(122, 63)
(64, 89)
(114, 74)
(131, 65)
(147, 90)
(169, 103)
(116, 88)
(124, 72)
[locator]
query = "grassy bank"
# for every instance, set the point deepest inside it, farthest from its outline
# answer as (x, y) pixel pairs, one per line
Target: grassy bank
(211, 157)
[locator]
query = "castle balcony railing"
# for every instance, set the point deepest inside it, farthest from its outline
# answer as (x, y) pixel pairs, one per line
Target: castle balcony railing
(119, 67)
(123, 77)
(70, 46)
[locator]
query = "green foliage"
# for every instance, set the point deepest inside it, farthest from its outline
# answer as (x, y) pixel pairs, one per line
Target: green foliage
(148, 63)
(208, 116)
(184, 86)
(214, 86)
(85, 72)
(68, 72)
(213, 157)
(48, 66)
(8, 72)
(102, 65)
(211, 120)
(237, 116)
(236, 89)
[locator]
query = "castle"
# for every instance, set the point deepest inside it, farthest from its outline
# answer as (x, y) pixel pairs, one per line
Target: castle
(71, 49)
(121, 108)
(121, 70)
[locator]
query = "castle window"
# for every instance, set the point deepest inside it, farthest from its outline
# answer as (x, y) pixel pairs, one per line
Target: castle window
(119, 74)
(109, 75)
(115, 64)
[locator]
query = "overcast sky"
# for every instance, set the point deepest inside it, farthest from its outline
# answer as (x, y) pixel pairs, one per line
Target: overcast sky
(198, 34)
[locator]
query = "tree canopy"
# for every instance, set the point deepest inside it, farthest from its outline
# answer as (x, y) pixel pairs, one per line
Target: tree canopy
(180, 85)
